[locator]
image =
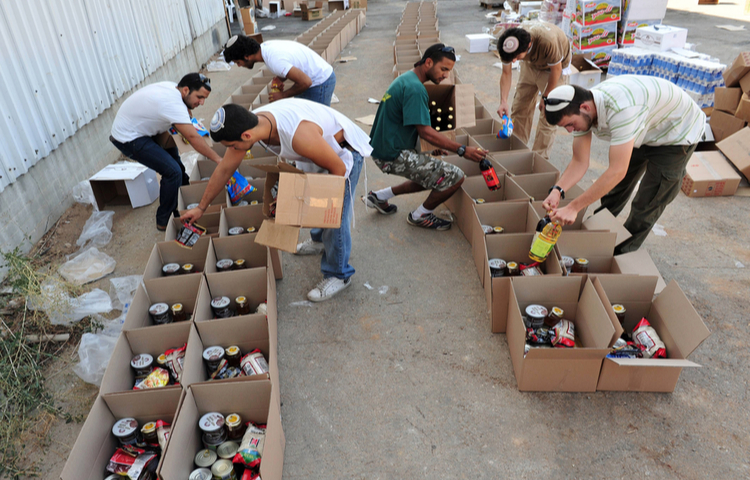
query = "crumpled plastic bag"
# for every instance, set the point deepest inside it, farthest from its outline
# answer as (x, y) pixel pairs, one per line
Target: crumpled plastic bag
(62, 309)
(94, 352)
(82, 193)
(218, 66)
(122, 290)
(87, 266)
(189, 159)
(97, 230)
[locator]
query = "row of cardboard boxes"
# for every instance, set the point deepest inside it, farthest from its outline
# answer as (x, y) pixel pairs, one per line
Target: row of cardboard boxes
(416, 32)
(332, 34)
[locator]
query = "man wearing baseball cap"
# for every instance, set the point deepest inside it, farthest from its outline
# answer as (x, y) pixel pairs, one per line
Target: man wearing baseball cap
(403, 117)
(652, 126)
(544, 51)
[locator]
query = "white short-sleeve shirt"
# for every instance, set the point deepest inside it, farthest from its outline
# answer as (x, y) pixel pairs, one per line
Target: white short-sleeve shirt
(150, 111)
(281, 55)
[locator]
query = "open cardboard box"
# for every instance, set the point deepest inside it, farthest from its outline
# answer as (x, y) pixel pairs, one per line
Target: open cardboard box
(172, 252)
(537, 185)
(457, 96)
(559, 369)
(96, 444)
(254, 196)
(209, 221)
(492, 144)
(523, 163)
(736, 147)
(470, 167)
(119, 377)
(189, 194)
(236, 247)
(124, 183)
(253, 401)
(249, 216)
(303, 201)
(673, 317)
(205, 168)
(538, 207)
(483, 126)
(604, 220)
(170, 290)
(512, 247)
(514, 217)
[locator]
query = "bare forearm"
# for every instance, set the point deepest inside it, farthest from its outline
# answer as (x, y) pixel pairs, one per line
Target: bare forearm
(216, 184)
(202, 147)
(505, 81)
(554, 78)
(296, 89)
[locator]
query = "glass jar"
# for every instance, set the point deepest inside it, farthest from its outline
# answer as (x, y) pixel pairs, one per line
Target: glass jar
(554, 317)
(619, 313)
(213, 357)
(497, 229)
(126, 431)
(235, 427)
(536, 315)
(148, 432)
(513, 269)
(188, 268)
(224, 265)
(243, 306)
(233, 356)
(250, 230)
(479, 201)
(142, 365)
(212, 426)
(170, 269)
(581, 265)
(220, 307)
(178, 313)
(239, 264)
(161, 362)
(160, 313)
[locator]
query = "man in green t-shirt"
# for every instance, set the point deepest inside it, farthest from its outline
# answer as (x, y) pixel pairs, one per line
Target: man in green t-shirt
(403, 116)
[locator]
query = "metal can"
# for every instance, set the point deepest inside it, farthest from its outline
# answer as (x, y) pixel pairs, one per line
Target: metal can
(536, 314)
(254, 363)
(200, 474)
(187, 268)
(224, 265)
(497, 266)
(212, 426)
(213, 357)
(239, 264)
(160, 313)
(567, 263)
(581, 265)
(619, 313)
(250, 229)
(126, 431)
(220, 307)
(235, 427)
(223, 470)
(227, 450)
(205, 458)
(236, 231)
(170, 269)
(142, 365)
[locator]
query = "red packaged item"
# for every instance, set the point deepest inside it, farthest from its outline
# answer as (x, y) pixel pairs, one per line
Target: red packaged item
(564, 334)
(251, 447)
(646, 337)
(157, 378)
(189, 235)
(163, 430)
(175, 360)
(250, 475)
(130, 462)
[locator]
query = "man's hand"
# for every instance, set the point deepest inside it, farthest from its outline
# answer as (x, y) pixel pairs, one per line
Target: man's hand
(552, 200)
(475, 154)
(565, 216)
(439, 152)
(192, 215)
(541, 105)
(273, 96)
(504, 109)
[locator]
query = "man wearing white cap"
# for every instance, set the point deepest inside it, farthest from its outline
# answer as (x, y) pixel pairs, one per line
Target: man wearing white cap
(544, 51)
(652, 126)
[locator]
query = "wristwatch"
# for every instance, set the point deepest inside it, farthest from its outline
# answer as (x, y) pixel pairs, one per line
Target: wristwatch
(560, 189)
(461, 150)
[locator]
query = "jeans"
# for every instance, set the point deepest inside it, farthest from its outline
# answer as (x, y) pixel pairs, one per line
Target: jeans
(322, 93)
(165, 162)
(337, 242)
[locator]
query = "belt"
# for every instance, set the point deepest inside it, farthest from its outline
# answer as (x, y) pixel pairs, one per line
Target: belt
(346, 145)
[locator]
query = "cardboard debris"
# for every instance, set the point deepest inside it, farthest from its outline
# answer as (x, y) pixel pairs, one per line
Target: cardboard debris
(367, 120)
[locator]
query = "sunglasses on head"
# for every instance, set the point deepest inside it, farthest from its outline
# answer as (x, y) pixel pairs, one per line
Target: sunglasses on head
(554, 101)
(204, 80)
(448, 49)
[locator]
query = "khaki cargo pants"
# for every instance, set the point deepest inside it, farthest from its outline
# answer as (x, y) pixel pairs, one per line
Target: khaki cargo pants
(662, 169)
(531, 82)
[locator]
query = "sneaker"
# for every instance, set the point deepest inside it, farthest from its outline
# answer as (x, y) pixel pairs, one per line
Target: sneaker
(327, 288)
(430, 221)
(309, 247)
(382, 206)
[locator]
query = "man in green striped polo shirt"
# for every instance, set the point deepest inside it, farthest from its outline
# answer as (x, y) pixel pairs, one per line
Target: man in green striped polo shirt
(653, 127)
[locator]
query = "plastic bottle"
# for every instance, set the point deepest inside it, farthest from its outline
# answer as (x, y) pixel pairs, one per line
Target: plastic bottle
(489, 174)
(545, 238)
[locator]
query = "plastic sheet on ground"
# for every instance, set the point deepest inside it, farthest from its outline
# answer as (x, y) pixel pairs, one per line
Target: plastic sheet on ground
(82, 193)
(62, 309)
(87, 266)
(218, 66)
(94, 352)
(122, 290)
(97, 230)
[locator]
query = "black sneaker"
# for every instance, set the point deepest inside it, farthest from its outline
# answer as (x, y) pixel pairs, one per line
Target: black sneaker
(430, 221)
(382, 206)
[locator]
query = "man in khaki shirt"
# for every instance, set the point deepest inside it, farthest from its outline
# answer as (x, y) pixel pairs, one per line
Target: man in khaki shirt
(545, 52)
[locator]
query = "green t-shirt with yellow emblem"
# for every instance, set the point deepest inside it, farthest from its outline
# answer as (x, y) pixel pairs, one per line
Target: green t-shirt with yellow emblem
(404, 106)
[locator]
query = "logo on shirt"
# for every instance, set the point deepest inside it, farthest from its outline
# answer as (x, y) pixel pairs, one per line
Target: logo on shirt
(386, 97)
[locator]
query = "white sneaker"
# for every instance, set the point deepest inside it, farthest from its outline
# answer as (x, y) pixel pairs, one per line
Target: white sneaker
(327, 288)
(308, 247)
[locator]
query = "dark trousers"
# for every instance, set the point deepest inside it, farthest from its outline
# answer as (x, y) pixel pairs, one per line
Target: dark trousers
(165, 162)
(662, 169)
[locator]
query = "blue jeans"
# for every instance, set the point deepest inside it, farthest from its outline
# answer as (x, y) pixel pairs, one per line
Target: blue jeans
(337, 242)
(165, 162)
(322, 93)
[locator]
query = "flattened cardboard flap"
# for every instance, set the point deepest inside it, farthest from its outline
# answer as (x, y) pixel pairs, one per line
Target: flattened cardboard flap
(604, 220)
(685, 326)
(465, 115)
(736, 147)
(653, 362)
(282, 237)
(639, 263)
(311, 200)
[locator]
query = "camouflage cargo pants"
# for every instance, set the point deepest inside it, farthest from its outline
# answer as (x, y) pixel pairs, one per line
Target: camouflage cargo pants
(422, 168)
(662, 168)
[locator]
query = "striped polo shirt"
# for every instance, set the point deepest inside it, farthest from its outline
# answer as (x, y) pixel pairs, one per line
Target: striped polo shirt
(650, 110)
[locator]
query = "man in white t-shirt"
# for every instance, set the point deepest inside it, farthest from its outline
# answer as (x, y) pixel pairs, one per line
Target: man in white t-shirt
(313, 77)
(141, 132)
(319, 139)
(652, 126)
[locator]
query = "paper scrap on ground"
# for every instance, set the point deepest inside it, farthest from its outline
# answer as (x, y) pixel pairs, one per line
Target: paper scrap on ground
(270, 27)
(372, 100)
(368, 286)
(304, 303)
(334, 98)
(383, 290)
(368, 120)
(732, 28)
(498, 65)
(347, 59)
(659, 230)
(739, 264)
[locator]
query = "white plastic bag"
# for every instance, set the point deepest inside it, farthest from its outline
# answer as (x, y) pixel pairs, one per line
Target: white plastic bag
(97, 229)
(218, 66)
(122, 290)
(82, 193)
(189, 159)
(87, 266)
(95, 351)
(95, 301)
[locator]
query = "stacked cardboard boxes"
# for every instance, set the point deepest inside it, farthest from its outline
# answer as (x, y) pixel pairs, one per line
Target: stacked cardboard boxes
(636, 14)
(416, 32)
(593, 28)
(732, 103)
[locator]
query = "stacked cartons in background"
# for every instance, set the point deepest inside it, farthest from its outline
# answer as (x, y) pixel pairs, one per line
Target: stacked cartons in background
(593, 28)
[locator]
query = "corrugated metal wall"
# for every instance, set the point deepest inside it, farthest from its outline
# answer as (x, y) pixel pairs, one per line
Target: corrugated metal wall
(63, 62)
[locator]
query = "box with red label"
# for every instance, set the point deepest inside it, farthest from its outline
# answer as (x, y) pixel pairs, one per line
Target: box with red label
(588, 37)
(596, 12)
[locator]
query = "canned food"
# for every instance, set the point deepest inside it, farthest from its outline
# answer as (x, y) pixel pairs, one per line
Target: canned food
(243, 306)
(142, 365)
(223, 470)
(192, 206)
(536, 314)
(213, 357)
(531, 272)
(224, 265)
(227, 450)
(212, 425)
(236, 231)
(160, 313)
(567, 263)
(178, 313)
(200, 474)
(235, 428)
(220, 307)
(187, 268)
(242, 203)
(497, 267)
(126, 431)
(619, 313)
(205, 458)
(250, 229)
(170, 269)
(254, 363)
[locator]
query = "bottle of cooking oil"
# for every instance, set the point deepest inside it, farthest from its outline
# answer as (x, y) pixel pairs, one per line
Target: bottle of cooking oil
(545, 238)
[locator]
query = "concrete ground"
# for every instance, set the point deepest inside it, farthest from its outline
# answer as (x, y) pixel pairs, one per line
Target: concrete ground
(405, 380)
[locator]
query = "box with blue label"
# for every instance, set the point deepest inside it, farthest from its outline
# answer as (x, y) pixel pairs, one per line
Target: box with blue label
(596, 12)
(590, 37)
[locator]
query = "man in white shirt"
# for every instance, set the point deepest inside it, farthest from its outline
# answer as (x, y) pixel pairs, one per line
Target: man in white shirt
(140, 132)
(653, 127)
(320, 140)
(313, 77)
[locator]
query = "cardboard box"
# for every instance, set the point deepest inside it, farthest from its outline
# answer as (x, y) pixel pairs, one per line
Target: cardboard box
(586, 37)
(477, 42)
(635, 9)
(739, 69)
(314, 13)
(724, 125)
(124, 183)
(584, 72)
(304, 200)
(248, 216)
(339, 5)
(626, 34)
(604, 220)
(170, 290)
(236, 247)
(209, 221)
(743, 109)
(172, 252)
(559, 369)
(257, 284)
(597, 12)
(492, 144)
(600, 56)
(95, 444)
(727, 99)
(359, 4)
(189, 194)
(469, 167)
(537, 185)
(119, 377)
(482, 126)
(460, 97)
(709, 174)
(205, 168)
(660, 37)
(523, 162)
(736, 147)
(673, 317)
(253, 401)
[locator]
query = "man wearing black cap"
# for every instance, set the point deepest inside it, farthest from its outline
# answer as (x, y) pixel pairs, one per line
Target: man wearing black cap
(140, 132)
(544, 51)
(313, 77)
(402, 118)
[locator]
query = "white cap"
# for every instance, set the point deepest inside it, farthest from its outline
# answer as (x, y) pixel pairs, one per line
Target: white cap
(564, 93)
(231, 41)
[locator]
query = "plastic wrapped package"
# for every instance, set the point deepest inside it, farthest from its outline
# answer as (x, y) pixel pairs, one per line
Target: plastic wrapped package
(97, 231)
